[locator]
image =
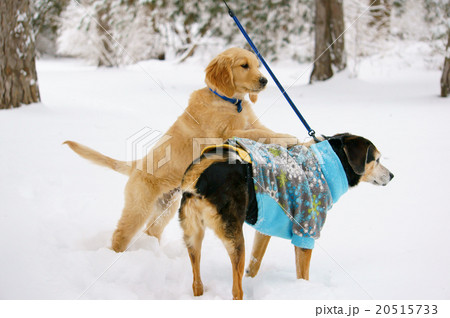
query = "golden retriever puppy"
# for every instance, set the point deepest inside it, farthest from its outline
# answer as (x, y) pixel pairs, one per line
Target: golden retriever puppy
(216, 112)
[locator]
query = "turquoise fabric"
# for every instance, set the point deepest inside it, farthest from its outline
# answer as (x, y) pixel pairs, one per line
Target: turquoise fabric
(273, 221)
(294, 188)
(331, 168)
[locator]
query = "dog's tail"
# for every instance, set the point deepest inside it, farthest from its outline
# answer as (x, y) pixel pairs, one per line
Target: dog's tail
(100, 159)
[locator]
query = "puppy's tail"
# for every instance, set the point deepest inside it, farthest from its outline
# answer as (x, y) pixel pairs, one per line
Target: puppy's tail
(97, 158)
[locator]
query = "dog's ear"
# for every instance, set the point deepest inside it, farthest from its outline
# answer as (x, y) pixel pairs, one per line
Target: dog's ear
(253, 97)
(356, 149)
(219, 75)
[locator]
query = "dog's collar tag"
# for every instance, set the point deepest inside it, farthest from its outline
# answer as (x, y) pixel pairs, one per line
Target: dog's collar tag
(235, 101)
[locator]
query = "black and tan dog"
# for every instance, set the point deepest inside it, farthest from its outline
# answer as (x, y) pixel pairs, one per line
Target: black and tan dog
(218, 192)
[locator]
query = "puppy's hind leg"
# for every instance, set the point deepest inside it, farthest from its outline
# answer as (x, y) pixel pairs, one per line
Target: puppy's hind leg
(140, 197)
(164, 210)
(133, 218)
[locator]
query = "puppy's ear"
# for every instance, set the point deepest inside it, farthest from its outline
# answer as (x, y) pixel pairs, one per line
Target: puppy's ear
(253, 97)
(356, 150)
(219, 75)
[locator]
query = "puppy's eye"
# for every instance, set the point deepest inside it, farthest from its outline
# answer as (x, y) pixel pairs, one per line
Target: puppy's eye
(378, 160)
(244, 66)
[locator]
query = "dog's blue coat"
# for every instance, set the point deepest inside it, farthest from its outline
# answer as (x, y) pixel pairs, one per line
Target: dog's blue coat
(294, 188)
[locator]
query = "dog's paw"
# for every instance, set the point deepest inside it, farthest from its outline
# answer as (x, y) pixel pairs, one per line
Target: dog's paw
(119, 243)
(197, 287)
(250, 273)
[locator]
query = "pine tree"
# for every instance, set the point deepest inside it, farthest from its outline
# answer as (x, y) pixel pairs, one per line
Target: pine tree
(380, 12)
(437, 12)
(192, 21)
(274, 25)
(45, 21)
(144, 29)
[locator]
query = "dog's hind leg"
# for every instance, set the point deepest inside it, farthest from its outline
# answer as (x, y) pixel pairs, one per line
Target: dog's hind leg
(134, 216)
(194, 230)
(164, 210)
(140, 197)
(194, 250)
(236, 251)
(230, 232)
(260, 243)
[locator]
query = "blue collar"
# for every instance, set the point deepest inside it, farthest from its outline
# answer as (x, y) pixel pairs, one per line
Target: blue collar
(235, 101)
(331, 168)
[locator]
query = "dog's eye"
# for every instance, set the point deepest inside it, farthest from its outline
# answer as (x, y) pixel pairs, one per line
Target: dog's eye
(244, 66)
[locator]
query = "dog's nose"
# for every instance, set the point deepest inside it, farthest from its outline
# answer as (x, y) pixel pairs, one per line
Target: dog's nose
(391, 175)
(263, 81)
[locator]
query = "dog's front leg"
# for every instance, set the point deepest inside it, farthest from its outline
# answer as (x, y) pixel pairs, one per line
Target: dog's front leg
(266, 136)
(302, 262)
(260, 243)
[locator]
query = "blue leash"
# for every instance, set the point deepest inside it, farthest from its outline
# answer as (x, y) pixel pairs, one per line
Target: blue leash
(311, 132)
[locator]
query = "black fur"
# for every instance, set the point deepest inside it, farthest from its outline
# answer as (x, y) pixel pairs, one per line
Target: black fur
(225, 186)
(370, 154)
(186, 196)
(352, 178)
(366, 151)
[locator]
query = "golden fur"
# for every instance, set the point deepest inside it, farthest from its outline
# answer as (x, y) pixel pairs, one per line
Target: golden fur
(149, 193)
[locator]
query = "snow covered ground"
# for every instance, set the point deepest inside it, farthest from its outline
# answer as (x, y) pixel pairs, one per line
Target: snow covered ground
(58, 212)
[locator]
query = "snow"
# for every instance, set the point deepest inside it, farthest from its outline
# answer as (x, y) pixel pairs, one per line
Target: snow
(58, 212)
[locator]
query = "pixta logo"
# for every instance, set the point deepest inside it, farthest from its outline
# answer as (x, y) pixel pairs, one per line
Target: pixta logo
(148, 150)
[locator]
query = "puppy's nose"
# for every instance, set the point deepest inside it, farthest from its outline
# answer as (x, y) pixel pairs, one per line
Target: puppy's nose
(391, 175)
(263, 81)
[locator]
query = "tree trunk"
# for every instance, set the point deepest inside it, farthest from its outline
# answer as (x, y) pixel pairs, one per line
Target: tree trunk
(329, 28)
(18, 78)
(322, 56)
(445, 79)
(337, 28)
(107, 57)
